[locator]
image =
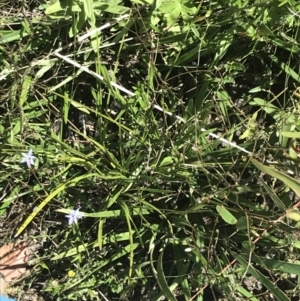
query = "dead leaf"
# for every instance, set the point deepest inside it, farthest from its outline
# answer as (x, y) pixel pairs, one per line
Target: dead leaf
(3, 286)
(13, 259)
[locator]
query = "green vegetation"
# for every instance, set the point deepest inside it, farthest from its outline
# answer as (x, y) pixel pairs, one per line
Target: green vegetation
(120, 102)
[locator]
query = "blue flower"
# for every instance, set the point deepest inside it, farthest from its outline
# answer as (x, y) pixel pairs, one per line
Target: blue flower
(74, 216)
(28, 158)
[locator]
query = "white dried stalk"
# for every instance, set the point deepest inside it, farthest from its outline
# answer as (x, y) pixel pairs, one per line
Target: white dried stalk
(86, 69)
(88, 34)
(128, 92)
(228, 142)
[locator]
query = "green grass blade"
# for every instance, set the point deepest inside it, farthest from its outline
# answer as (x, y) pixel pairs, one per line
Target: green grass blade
(277, 293)
(286, 179)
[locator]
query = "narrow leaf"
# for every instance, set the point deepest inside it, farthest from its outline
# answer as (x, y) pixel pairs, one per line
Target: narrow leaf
(25, 88)
(162, 280)
(278, 293)
(273, 196)
(49, 198)
(294, 135)
(286, 179)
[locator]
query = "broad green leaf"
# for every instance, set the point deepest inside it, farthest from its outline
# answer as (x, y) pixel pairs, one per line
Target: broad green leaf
(267, 106)
(174, 8)
(226, 215)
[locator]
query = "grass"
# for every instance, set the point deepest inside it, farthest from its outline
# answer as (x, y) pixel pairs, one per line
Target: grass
(173, 127)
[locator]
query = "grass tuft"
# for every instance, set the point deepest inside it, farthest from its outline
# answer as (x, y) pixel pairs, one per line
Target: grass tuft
(172, 127)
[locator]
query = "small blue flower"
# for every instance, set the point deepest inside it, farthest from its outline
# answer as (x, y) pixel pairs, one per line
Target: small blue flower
(74, 216)
(28, 158)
